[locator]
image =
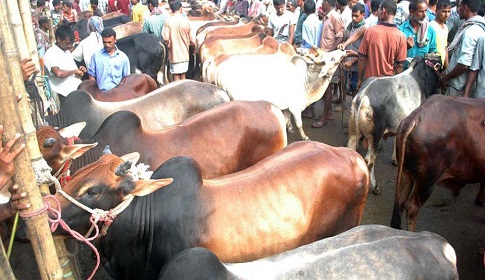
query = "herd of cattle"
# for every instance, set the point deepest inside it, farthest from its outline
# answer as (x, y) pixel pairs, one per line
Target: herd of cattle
(229, 198)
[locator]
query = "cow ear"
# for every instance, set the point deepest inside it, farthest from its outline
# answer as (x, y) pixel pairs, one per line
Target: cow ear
(133, 157)
(145, 187)
(76, 150)
(72, 130)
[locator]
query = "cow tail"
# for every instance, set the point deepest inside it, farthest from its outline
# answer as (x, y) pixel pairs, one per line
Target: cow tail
(165, 63)
(396, 215)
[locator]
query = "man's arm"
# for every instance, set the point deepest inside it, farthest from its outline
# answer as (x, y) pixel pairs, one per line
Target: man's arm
(292, 34)
(457, 71)
(353, 38)
(398, 67)
(361, 66)
(472, 76)
(59, 73)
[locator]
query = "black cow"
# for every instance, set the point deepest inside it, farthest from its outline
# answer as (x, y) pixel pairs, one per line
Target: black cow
(364, 252)
(115, 21)
(81, 26)
(147, 53)
(382, 103)
(168, 105)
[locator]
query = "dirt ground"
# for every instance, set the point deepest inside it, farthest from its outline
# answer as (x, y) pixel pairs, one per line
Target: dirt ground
(457, 219)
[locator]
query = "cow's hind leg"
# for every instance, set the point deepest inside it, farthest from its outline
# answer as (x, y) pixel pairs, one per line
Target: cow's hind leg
(299, 123)
(480, 200)
(353, 130)
(404, 186)
(289, 126)
(419, 196)
(370, 158)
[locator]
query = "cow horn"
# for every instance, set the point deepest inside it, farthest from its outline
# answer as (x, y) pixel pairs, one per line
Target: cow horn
(107, 150)
(49, 142)
(123, 169)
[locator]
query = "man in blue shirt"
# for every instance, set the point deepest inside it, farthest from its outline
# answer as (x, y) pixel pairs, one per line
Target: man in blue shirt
(108, 65)
(420, 36)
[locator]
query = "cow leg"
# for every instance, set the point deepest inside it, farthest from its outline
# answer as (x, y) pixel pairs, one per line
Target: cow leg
(352, 131)
(419, 196)
(480, 200)
(393, 158)
(289, 126)
(298, 122)
(370, 158)
(403, 190)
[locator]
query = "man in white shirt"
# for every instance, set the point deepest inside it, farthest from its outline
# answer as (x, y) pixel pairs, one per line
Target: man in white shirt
(62, 72)
(281, 25)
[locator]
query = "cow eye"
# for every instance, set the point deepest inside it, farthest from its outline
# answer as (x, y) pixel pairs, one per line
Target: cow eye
(93, 191)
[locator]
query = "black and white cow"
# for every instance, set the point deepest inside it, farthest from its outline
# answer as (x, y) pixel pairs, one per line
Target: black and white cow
(382, 103)
(364, 252)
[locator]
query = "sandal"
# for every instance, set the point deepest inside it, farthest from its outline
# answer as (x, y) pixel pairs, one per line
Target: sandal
(319, 124)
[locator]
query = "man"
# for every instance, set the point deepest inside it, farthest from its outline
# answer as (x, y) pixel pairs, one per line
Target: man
(68, 13)
(154, 23)
(42, 36)
(176, 33)
(402, 12)
(301, 16)
(477, 72)
(345, 12)
(139, 11)
(94, 7)
(109, 65)
(281, 25)
(63, 74)
(333, 32)
(463, 48)
(431, 11)
(350, 62)
(420, 37)
(56, 13)
(383, 48)
(92, 43)
(443, 10)
(312, 26)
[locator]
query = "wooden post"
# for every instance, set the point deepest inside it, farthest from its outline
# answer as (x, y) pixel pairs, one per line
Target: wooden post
(26, 17)
(5, 269)
(16, 117)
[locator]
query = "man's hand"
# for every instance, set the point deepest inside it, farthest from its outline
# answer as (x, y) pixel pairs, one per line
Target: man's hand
(410, 42)
(7, 155)
(28, 68)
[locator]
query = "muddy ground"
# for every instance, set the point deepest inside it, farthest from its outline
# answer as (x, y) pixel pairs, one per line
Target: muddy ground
(457, 219)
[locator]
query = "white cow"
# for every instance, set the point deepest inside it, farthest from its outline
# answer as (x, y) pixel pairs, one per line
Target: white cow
(290, 82)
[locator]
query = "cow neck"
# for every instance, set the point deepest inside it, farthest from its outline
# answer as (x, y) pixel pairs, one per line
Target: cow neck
(430, 64)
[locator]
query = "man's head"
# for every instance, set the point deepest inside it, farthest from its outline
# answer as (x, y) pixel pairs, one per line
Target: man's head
(175, 5)
(341, 4)
(375, 5)
(387, 10)
(64, 37)
(40, 3)
(417, 11)
(109, 39)
(152, 4)
(279, 6)
(43, 23)
(328, 5)
(468, 8)
(134, 2)
(352, 3)
(67, 6)
(309, 7)
(57, 5)
(443, 10)
(358, 13)
(95, 24)
(94, 4)
(291, 5)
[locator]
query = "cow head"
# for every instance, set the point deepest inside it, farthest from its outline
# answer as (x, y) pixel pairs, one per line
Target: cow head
(55, 147)
(426, 72)
(103, 185)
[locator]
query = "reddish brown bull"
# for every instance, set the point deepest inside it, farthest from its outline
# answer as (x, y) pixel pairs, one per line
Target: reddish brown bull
(439, 143)
(131, 86)
(305, 192)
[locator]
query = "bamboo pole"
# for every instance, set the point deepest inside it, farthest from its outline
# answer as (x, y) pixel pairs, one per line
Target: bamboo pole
(16, 118)
(5, 269)
(26, 17)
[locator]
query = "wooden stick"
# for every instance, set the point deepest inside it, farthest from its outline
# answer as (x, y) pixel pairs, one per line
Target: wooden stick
(26, 16)
(5, 269)
(16, 117)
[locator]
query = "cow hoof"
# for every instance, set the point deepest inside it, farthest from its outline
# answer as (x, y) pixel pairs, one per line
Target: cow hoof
(290, 130)
(376, 190)
(394, 162)
(306, 138)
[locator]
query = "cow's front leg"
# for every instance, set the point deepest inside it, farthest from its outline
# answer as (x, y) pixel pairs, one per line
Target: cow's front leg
(480, 200)
(370, 158)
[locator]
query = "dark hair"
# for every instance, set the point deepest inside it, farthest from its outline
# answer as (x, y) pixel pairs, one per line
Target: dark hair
(175, 5)
(56, 2)
(309, 7)
(375, 4)
(342, 2)
(432, 2)
(292, 3)
(443, 4)
(358, 7)
(473, 5)
(108, 32)
(94, 2)
(67, 3)
(332, 3)
(43, 20)
(64, 31)
(278, 2)
(153, 2)
(390, 6)
(40, 3)
(413, 5)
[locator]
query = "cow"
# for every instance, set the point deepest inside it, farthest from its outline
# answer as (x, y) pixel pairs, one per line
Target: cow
(212, 35)
(146, 54)
(382, 103)
(81, 26)
(168, 105)
(296, 81)
(449, 153)
(269, 45)
(131, 86)
(116, 20)
(224, 139)
(364, 252)
(127, 29)
(289, 199)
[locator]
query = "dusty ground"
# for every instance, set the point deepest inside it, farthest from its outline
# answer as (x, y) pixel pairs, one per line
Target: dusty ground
(457, 219)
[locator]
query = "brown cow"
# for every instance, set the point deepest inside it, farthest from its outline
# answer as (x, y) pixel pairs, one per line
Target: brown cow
(305, 192)
(224, 139)
(439, 143)
(131, 86)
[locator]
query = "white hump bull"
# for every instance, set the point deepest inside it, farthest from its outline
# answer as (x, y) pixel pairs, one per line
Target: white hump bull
(290, 82)
(382, 103)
